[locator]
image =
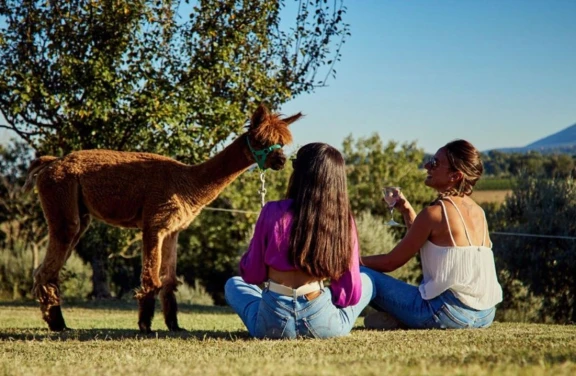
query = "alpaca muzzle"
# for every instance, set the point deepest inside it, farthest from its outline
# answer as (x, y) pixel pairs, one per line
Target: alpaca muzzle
(276, 160)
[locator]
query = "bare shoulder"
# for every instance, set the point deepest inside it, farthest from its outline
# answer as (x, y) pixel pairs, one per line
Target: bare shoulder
(473, 208)
(469, 203)
(431, 213)
(433, 210)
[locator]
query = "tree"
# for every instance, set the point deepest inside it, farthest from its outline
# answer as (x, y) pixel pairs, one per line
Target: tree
(372, 165)
(132, 75)
(135, 75)
(559, 166)
(495, 163)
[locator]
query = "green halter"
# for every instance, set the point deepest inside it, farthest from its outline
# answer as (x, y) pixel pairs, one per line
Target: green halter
(260, 155)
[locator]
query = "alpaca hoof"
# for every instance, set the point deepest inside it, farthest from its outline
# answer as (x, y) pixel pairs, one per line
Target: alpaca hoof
(144, 329)
(173, 326)
(57, 328)
(55, 319)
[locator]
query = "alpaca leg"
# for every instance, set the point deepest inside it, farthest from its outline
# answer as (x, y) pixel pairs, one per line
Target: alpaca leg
(46, 285)
(85, 220)
(61, 211)
(150, 279)
(169, 282)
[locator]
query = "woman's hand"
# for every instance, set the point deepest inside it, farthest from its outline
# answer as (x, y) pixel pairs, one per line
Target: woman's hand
(404, 207)
(402, 204)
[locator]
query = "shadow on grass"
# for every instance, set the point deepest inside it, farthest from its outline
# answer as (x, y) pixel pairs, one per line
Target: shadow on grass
(119, 305)
(85, 335)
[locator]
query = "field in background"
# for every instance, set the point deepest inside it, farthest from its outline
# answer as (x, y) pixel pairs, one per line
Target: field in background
(105, 342)
(492, 189)
(496, 196)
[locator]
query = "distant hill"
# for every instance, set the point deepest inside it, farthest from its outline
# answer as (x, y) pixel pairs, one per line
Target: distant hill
(563, 142)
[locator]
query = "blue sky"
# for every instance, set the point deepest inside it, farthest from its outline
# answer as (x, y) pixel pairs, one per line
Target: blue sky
(498, 73)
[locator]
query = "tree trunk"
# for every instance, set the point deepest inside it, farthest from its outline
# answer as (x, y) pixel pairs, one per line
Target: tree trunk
(99, 263)
(100, 285)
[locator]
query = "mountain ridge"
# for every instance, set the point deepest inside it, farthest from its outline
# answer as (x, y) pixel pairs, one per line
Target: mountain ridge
(561, 142)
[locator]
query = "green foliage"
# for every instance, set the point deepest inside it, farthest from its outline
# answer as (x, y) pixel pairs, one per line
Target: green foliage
(376, 238)
(372, 165)
(545, 266)
(195, 294)
(560, 166)
(16, 266)
(144, 75)
(520, 304)
(555, 165)
(494, 184)
(75, 277)
(22, 229)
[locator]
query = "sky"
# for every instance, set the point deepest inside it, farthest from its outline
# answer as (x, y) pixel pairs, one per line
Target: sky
(499, 73)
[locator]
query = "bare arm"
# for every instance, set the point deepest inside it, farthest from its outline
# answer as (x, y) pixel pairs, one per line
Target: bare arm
(407, 211)
(408, 214)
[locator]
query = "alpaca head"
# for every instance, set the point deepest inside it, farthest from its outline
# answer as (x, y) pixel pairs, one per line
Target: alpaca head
(267, 134)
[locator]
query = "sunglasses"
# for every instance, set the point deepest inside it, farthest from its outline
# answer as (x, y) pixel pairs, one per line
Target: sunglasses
(432, 163)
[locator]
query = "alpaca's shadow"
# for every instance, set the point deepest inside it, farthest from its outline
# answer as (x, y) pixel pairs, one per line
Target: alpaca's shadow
(85, 335)
(40, 334)
(120, 305)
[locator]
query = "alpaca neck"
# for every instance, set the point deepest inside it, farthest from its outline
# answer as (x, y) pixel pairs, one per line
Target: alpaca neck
(211, 177)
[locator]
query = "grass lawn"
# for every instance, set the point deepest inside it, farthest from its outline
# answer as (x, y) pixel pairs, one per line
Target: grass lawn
(105, 342)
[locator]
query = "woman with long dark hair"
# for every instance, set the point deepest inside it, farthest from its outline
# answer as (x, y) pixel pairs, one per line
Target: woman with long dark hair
(298, 244)
(460, 288)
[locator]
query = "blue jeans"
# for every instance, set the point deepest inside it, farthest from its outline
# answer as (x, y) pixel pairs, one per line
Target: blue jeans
(404, 302)
(267, 314)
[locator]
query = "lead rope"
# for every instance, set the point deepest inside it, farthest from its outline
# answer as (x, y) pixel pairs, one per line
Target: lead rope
(262, 189)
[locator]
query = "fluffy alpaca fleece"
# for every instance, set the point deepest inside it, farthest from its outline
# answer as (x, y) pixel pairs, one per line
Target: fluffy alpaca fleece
(156, 194)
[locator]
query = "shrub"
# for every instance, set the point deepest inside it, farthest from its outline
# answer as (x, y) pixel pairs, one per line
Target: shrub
(196, 294)
(16, 266)
(377, 238)
(546, 267)
(75, 278)
(520, 304)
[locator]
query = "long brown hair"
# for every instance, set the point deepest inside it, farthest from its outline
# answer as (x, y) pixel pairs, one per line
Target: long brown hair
(321, 235)
(464, 157)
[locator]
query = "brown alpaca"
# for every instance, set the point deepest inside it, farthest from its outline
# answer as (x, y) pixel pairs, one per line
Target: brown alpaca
(156, 194)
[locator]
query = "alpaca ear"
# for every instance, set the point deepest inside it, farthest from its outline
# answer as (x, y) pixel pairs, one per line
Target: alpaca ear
(291, 119)
(259, 116)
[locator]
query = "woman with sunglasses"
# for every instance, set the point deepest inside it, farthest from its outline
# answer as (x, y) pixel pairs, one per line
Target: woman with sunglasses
(298, 243)
(459, 287)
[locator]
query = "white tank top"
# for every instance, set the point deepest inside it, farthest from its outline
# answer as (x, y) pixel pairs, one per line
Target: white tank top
(469, 271)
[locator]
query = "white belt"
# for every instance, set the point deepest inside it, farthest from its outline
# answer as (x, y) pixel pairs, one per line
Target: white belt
(289, 291)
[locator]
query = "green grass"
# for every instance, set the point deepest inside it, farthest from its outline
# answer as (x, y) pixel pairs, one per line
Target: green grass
(105, 342)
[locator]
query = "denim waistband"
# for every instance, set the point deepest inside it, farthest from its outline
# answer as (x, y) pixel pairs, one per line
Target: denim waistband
(288, 291)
